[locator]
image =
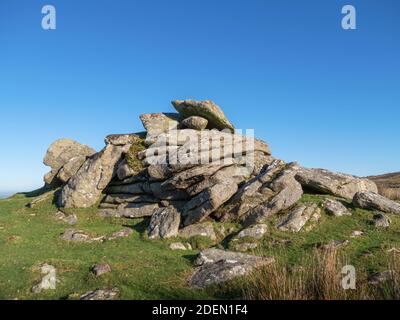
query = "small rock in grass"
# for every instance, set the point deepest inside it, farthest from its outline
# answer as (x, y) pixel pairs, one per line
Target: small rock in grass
(100, 269)
(356, 233)
(101, 294)
(380, 277)
(381, 221)
(256, 231)
(49, 281)
(71, 219)
(75, 236)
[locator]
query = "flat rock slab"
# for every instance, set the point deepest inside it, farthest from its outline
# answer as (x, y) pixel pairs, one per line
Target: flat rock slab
(332, 183)
(101, 294)
(204, 229)
(205, 109)
(374, 201)
(218, 266)
(131, 210)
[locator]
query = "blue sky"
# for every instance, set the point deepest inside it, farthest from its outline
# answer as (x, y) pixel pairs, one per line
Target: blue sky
(318, 94)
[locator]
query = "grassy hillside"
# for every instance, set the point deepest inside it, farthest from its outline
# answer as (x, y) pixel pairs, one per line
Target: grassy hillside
(144, 269)
(388, 184)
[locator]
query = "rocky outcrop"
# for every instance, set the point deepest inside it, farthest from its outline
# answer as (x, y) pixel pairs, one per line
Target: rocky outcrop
(374, 201)
(336, 184)
(64, 157)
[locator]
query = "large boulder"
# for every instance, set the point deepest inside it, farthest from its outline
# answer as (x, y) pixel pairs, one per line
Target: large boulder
(205, 229)
(332, 183)
(60, 153)
(85, 187)
(206, 109)
(374, 201)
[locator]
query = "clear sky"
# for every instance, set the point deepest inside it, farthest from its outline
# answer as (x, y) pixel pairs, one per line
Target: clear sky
(318, 94)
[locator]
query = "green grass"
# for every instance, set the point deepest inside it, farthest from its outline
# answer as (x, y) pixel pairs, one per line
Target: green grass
(141, 269)
(144, 269)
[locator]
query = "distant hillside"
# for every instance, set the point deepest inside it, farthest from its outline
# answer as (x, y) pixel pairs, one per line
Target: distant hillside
(388, 184)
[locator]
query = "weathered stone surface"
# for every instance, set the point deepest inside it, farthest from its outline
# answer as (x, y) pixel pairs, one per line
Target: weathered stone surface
(298, 217)
(206, 109)
(251, 194)
(101, 294)
(205, 229)
(136, 188)
(201, 206)
(157, 123)
(337, 184)
(287, 193)
(124, 171)
(131, 210)
(381, 221)
(336, 208)
(124, 139)
(164, 223)
(195, 122)
(70, 169)
(374, 201)
(84, 189)
(100, 269)
(218, 266)
(61, 152)
(49, 281)
(256, 232)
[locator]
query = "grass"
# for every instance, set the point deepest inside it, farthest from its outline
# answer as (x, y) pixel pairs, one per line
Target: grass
(144, 269)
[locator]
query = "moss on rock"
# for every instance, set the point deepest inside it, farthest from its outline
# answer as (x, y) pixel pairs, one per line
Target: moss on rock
(131, 156)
